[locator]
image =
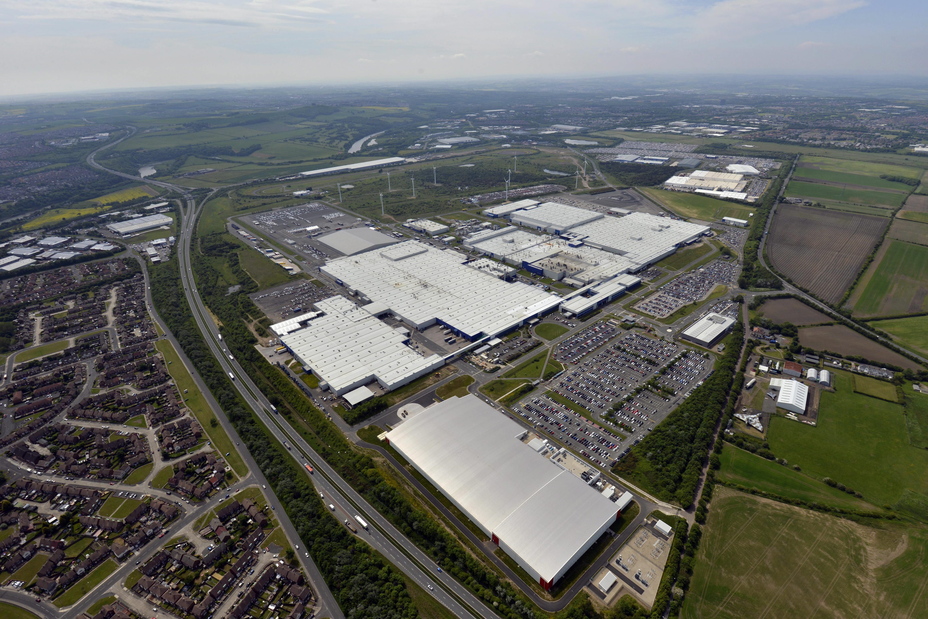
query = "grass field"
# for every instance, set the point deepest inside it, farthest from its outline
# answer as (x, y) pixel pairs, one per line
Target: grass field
(918, 216)
(11, 611)
(859, 441)
(199, 407)
(261, 269)
(916, 418)
(529, 369)
(498, 388)
(861, 164)
(94, 608)
(683, 257)
(550, 330)
(126, 508)
(83, 586)
(456, 387)
(139, 474)
(696, 206)
(137, 422)
(875, 388)
(845, 178)
(40, 351)
(896, 283)
(160, 480)
(908, 332)
(819, 191)
(746, 469)
(763, 559)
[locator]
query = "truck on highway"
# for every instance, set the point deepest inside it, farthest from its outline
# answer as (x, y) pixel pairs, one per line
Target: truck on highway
(308, 468)
(219, 335)
(361, 521)
(231, 375)
(350, 526)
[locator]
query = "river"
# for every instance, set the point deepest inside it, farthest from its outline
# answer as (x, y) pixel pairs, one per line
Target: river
(357, 146)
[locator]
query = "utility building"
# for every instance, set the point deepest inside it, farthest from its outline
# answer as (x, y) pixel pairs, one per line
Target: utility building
(708, 330)
(541, 515)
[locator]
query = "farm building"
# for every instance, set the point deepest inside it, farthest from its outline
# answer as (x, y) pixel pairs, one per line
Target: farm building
(424, 286)
(792, 396)
(355, 167)
(540, 514)
(812, 374)
(140, 224)
(708, 330)
(347, 347)
(356, 240)
(824, 378)
(791, 368)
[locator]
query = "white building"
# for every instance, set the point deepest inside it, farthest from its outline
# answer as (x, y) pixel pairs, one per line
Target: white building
(347, 347)
(427, 226)
(140, 224)
(707, 330)
(355, 167)
(541, 515)
(824, 377)
(793, 395)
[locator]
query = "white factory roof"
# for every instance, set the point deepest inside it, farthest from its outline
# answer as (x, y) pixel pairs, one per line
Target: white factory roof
(25, 251)
(347, 347)
(428, 226)
(52, 241)
(599, 293)
(12, 266)
(639, 237)
(543, 515)
(553, 217)
(8, 260)
(505, 209)
(352, 167)
(140, 224)
(731, 195)
(103, 247)
(739, 168)
(85, 244)
(23, 239)
(358, 395)
(708, 329)
(793, 396)
(506, 241)
(356, 240)
(422, 285)
(663, 527)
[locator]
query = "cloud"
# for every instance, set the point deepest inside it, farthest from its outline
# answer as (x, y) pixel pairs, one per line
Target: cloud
(812, 45)
(772, 14)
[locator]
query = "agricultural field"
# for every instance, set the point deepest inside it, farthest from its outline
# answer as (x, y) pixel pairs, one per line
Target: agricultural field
(866, 164)
(822, 251)
(917, 216)
(808, 173)
(792, 311)
(760, 558)
(896, 282)
(875, 388)
(908, 332)
(60, 215)
(844, 193)
(917, 203)
(859, 441)
(751, 471)
(845, 341)
(132, 193)
(695, 206)
(909, 231)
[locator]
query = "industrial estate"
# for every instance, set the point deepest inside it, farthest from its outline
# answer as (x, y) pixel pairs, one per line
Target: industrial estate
(317, 357)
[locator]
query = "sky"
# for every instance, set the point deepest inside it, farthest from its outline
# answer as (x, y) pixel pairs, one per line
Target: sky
(50, 46)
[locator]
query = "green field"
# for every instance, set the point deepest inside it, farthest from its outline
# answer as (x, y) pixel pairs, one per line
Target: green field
(110, 505)
(126, 508)
(866, 164)
(160, 480)
(913, 216)
(30, 569)
(859, 441)
(550, 330)
(916, 418)
(897, 283)
(11, 611)
(40, 351)
(683, 257)
(750, 471)
(456, 387)
(498, 388)
(800, 189)
(83, 586)
(137, 422)
(763, 559)
(200, 409)
(875, 388)
(529, 369)
(261, 269)
(696, 206)
(817, 174)
(139, 474)
(908, 332)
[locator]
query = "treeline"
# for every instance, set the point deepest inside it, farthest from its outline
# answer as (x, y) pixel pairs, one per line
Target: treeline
(905, 180)
(669, 460)
(753, 274)
(356, 468)
(637, 174)
(363, 583)
(365, 410)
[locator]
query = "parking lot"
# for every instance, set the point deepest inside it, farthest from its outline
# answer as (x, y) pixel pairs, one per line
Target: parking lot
(290, 299)
(689, 288)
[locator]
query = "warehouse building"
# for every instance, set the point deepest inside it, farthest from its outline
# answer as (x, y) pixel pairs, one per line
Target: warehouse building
(356, 240)
(640, 237)
(427, 226)
(708, 330)
(541, 515)
(504, 209)
(424, 286)
(706, 179)
(793, 395)
(140, 224)
(598, 295)
(347, 347)
(553, 217)
(355, 167)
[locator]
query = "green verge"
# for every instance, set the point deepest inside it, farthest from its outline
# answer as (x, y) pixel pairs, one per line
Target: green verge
(40, 351)
(160, 480)
(549, 330)
(139, 474)
(456, 387)
(500, 387)
(200, 409)
(683, 257)
(83, 586)
(94, 608)
(11, 611)
(529, 369)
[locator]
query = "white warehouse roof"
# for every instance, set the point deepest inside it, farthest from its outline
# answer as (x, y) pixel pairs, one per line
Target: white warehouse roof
(793, 396)
(356, 240)
(542, 515)
(639, 237)
(505, 209)
(554, 217)
(354, 167)
(423, 285)
(708, 329)
(140, 224)
(347, 347)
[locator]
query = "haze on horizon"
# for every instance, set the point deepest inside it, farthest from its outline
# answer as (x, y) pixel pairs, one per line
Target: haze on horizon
(53, 46)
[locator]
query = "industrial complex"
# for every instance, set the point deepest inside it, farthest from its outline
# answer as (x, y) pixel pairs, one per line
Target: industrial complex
(139, 224)
(540, 514)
